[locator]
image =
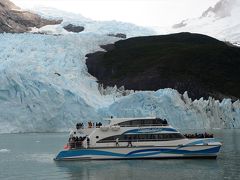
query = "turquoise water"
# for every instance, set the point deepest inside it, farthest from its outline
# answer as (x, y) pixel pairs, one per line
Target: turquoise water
(30, 156)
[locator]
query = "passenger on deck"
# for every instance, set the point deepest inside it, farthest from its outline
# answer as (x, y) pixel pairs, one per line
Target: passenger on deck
(88, 142)
(90, 124)
(78, 142)
(165, 122)
(129, 142)
(98, 124)
(80, 138)
(79, 125)
(117, 142)
(72, 143)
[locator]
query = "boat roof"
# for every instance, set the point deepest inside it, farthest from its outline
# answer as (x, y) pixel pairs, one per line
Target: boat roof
(119, 120)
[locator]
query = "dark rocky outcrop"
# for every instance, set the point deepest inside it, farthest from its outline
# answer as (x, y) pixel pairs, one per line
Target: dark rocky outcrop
(196, 63)
(15, 20)
(73, 28)
(119, 35)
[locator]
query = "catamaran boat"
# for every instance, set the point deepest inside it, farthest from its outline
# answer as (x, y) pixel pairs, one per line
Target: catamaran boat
(135, 138)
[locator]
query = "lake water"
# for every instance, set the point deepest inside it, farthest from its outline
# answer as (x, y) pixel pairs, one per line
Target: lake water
(30, 156)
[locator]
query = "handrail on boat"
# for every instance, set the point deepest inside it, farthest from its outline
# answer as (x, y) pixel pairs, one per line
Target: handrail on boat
(143, 125)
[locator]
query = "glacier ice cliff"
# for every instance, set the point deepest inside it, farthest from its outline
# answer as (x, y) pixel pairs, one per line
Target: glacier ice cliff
(44, 84)
(180, 110)
(45, 87)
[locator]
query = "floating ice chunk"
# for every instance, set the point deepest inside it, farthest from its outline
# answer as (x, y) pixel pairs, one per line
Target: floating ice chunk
(4, 150)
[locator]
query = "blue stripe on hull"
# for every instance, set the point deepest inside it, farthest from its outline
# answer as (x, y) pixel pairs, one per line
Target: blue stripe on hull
(142, 153)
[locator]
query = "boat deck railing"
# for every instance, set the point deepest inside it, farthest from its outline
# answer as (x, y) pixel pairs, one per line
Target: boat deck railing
(75, 145)
(142, 125)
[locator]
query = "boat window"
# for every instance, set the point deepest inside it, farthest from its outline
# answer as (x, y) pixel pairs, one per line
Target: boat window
(143, 122)
(143, 137)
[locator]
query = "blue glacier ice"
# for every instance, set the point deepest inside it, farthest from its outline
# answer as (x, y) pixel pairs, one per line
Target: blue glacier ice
(45, 85)
(179, 110)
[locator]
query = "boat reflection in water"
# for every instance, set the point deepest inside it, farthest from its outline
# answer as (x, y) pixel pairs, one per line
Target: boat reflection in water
(141, 169)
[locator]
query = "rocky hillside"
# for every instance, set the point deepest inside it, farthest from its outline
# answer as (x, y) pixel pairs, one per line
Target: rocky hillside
(15, 20)
(196, 63)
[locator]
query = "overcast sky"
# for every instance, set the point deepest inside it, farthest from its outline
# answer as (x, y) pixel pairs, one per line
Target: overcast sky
(141, 12)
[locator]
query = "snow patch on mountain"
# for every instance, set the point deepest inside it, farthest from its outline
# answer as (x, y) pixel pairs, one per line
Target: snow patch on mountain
(221, 9)
(90, 26)
(220, 21)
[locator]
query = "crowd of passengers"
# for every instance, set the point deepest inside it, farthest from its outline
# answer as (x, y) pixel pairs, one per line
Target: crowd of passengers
(90, 125)
(196, 135)
(77, 142)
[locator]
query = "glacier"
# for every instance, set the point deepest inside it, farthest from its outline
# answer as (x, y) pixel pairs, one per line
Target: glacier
(45, 85)
(90, 26)
(178, 109)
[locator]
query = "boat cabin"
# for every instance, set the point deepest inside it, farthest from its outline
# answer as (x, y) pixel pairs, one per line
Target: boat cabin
(137, 122)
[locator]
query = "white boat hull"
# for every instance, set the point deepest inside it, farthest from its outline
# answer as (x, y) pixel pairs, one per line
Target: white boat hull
(154, 152)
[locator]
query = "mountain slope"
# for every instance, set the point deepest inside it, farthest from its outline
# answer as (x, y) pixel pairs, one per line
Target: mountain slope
(13, 19)
(220, 21)
(196, 63)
